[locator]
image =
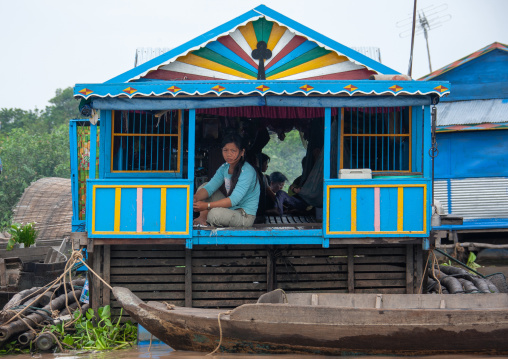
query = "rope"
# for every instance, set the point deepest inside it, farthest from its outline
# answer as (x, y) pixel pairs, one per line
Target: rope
(285, 296)
(220, 331)
(423, 275)
(434, 263)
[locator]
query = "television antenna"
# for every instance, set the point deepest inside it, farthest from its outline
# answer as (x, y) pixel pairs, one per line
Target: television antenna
(426, 19)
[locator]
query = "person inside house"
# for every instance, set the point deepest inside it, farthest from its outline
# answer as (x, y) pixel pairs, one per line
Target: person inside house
(238, 208)
(282, 202)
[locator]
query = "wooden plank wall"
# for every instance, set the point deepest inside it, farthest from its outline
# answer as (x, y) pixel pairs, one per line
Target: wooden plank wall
(228, 276)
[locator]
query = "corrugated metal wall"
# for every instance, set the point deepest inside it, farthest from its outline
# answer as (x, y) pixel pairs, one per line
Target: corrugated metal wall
(474, 198)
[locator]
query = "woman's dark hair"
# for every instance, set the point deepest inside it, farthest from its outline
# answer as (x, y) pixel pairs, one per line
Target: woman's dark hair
(240, 143)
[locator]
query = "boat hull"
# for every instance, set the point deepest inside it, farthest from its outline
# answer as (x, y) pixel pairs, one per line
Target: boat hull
(283, 328)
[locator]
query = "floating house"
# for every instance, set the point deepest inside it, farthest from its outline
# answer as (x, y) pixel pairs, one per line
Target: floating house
(158, 137)
(471, 169)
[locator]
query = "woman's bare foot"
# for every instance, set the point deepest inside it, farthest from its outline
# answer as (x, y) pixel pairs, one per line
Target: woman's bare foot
(200, 221)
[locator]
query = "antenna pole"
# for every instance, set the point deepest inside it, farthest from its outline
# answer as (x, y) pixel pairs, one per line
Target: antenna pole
(410, 70)
(428, 50)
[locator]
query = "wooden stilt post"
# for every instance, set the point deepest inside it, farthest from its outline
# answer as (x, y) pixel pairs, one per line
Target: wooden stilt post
(96, 283)
(188, 277)
(106, 292)
(409, 269)
(270, 269)
(350, 269)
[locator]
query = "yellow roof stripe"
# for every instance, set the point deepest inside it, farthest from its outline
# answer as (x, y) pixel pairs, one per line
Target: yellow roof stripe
(250, 35)
(328, 59)
(192, 59)
(275, 35)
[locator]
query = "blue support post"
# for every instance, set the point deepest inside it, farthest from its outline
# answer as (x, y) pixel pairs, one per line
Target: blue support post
(190, 167)
(326, 169)
(427, 167)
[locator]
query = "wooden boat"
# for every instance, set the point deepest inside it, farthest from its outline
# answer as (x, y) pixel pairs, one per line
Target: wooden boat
(336, 324)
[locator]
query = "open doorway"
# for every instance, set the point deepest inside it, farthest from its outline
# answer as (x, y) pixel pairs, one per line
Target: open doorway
(292, 138)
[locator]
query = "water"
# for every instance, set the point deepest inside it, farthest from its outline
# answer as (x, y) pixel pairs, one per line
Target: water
(161, 351)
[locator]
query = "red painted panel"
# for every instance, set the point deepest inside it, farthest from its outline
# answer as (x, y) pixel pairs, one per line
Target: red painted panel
(176, 76)
(231, 44)
(293, 44)
(362, 74)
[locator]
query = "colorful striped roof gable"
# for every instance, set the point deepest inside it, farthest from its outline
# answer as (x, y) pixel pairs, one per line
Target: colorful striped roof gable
(226, 53)
(260, 52)
(474, 55)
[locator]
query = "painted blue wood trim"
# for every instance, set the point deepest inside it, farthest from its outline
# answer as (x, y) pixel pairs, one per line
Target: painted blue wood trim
(73, 139)
(78, 225)
(289, 101)
(207, 36)
(103, 140)
(245, 233)
(174, 104)
(326, 158)
(427, 160)
(191, 153)
(345, 212)
(93, 151)
(251, 240)
(416, 137)
(468, 224)
(263, 9)
(222, 50)
(271, 87)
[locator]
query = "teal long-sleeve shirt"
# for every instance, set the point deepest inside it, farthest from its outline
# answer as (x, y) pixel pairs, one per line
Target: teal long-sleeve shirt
(246, 192)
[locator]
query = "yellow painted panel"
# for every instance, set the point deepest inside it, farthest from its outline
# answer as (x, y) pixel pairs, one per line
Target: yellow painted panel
(163, 210)
(326, 60)
(249, 34)
(275, 35)
(192, 59)
(353, 209)
(400, 209)
(118, 202)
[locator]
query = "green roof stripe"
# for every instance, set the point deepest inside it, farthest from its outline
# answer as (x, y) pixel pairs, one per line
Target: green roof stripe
(308, 56)
(262, 29)
(215, 57)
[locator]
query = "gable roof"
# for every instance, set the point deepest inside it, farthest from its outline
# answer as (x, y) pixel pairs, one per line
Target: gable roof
(237, 38)
(223, 62)
(462, 61)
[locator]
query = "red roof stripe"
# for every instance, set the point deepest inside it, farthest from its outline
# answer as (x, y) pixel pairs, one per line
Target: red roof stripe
(231, 44)
(175, 76)
(293, 44)
(361, 74)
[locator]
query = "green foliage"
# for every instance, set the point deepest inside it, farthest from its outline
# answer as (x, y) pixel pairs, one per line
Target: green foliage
(89, 332)
(22, 234)
(33, 145)
(104, 335)
(286, 156)
(471, 261)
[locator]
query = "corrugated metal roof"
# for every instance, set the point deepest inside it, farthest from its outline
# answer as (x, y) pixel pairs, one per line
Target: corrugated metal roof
(144, 54)
(472, 112)
(474, 55)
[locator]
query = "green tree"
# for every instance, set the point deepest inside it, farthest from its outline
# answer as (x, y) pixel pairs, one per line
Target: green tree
(63, 108)
(286, 156)
(11, 118)
(26, 157)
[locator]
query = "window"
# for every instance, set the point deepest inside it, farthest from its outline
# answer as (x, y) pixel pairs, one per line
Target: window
(376, 138)
(143, 141)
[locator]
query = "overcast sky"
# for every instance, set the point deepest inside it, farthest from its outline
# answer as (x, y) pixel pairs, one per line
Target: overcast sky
(53, 44)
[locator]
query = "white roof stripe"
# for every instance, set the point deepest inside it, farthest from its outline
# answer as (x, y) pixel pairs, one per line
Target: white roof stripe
(283, 41)
(326, 70)
(240, 40)
(178, 66)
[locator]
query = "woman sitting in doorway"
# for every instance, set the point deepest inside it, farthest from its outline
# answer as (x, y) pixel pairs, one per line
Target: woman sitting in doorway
(239, 208)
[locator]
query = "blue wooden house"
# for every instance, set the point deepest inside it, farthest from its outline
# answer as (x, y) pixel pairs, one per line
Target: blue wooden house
(160, 127)
(471, 169)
